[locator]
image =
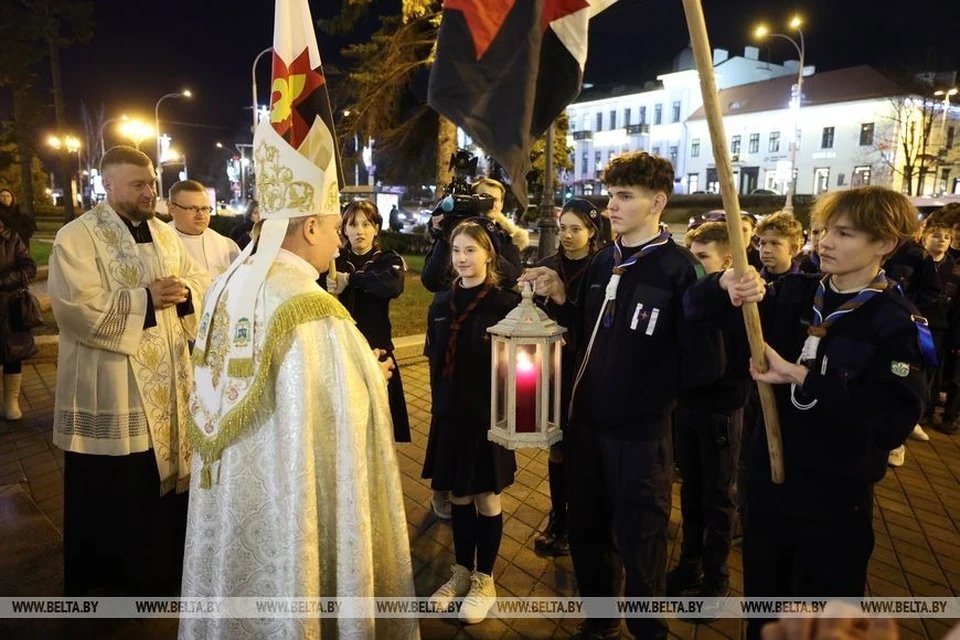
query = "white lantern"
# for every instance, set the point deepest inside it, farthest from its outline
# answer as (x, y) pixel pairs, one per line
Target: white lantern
(525, 407)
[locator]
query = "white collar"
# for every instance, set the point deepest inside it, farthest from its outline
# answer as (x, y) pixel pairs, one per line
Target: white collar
(299, 263)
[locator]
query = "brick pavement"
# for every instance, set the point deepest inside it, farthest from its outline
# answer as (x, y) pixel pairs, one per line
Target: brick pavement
(917, 525)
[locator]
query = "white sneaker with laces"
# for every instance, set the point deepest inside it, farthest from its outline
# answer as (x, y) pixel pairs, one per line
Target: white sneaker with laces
(919, 434)
(477, 603)
(897, 456)
(440, 503)
(457, 586)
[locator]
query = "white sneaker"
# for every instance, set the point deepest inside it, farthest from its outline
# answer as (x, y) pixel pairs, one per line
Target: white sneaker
(456, 587)
(481, 597)
(919, 434)
(441, 505)
(897, 456)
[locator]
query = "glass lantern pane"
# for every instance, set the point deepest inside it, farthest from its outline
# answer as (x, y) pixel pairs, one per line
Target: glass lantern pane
(500, 377)
(554, 368)
(528, 377)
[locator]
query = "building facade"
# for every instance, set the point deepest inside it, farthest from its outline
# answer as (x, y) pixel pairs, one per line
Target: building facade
(852, 127)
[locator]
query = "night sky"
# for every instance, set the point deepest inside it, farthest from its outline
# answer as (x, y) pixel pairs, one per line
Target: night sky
(140, 51)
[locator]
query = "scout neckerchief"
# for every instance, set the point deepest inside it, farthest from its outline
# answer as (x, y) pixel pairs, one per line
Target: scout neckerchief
(373, 255)
(818, 329)
(456, 321)
(620, 267)
(607, 311)
(569, 281)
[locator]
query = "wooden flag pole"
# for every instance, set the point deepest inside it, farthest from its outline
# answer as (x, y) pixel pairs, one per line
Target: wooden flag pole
(731, 204)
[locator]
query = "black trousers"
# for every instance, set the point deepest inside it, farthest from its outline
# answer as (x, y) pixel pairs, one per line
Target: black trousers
(707, 447)
(618, 493)
(120, 537)
(791, 551)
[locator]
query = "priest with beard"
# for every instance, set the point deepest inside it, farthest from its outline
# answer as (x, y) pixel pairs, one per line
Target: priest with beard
(123, 292)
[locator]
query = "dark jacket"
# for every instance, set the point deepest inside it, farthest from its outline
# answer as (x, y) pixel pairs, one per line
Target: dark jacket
(465, 396)
(867, 380)
(438, 272)
(241, 233)
(20, 223)
(639, 363)
(17, 269)
(375, 280)
(571, 272)
(917, 278)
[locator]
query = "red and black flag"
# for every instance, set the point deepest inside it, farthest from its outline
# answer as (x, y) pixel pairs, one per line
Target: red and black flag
(300, 108)
(505, 69)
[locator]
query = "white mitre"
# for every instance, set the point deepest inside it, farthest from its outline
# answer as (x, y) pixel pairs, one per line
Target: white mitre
(289, 185)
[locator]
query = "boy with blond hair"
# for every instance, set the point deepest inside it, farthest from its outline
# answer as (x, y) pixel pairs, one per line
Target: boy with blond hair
(846, 353)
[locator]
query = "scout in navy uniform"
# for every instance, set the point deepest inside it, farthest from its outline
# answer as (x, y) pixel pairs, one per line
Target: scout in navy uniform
(368, 278)
(581, 236)
(707, 428)
(811, 262)
(914, 273)
(617, 449)
(937, 235)
(460, 460)
(780, 236)
(855, 392)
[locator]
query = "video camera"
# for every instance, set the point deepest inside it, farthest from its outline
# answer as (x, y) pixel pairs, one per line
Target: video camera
(458, 203)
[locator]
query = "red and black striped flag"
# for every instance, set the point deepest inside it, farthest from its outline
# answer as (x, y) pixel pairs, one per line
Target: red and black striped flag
(505, 69)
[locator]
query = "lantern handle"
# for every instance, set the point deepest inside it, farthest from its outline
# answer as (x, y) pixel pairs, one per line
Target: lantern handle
(526, 292)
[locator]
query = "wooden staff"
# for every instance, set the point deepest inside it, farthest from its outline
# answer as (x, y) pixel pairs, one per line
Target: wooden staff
(731, 204)
(332, 271)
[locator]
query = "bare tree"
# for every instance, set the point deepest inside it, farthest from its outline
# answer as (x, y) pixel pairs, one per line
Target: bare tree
(904, 140)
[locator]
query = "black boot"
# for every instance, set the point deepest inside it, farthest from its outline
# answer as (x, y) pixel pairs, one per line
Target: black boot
(553, 541)
(685, 577)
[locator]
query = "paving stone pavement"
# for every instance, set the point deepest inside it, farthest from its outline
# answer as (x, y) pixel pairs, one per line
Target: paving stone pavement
(916, 521)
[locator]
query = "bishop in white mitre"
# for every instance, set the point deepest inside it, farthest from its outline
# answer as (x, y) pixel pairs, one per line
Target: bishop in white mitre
(123, 292)
(295, 489)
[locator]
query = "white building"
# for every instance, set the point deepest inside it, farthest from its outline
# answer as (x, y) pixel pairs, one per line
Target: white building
(603, 124)
(855, 127)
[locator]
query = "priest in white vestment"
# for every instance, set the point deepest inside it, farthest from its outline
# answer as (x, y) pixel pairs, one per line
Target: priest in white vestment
(123, 292)
(295, 489)
(189, 204)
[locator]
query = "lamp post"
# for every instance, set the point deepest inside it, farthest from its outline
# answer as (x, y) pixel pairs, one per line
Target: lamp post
(796, 101)
(103, 149)
(253, 74)
(175, 157)
(156, 120)
(136, 131)
(72, 145)
(946, 107)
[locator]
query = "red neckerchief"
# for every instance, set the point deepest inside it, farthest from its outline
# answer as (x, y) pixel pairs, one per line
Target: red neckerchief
(456, 322)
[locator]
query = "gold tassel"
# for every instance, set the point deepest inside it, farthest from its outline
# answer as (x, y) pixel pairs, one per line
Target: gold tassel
(291, 314)
(240, 367)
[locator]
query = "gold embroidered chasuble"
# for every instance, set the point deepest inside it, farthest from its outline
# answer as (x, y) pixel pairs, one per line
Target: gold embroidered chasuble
(295, 488)
(121, 388)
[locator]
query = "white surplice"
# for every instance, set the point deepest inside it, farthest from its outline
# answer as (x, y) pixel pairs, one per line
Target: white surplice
(296, 489)
(213, 251)
(122, 388)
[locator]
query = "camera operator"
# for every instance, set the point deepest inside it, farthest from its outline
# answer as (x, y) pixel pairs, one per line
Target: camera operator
(437, 273)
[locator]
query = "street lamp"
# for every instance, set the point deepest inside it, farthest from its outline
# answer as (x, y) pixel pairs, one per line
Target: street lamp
(946, 107)
(136, 131)
(796, 99)
(253, 76)
(156, 118)
(72, 145)
(103, 149)
(175, 157)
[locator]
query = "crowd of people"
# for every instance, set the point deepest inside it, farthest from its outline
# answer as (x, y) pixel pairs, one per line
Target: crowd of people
(256, 375)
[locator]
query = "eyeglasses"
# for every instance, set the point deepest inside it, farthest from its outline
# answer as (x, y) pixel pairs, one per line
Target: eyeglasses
(204, 210)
